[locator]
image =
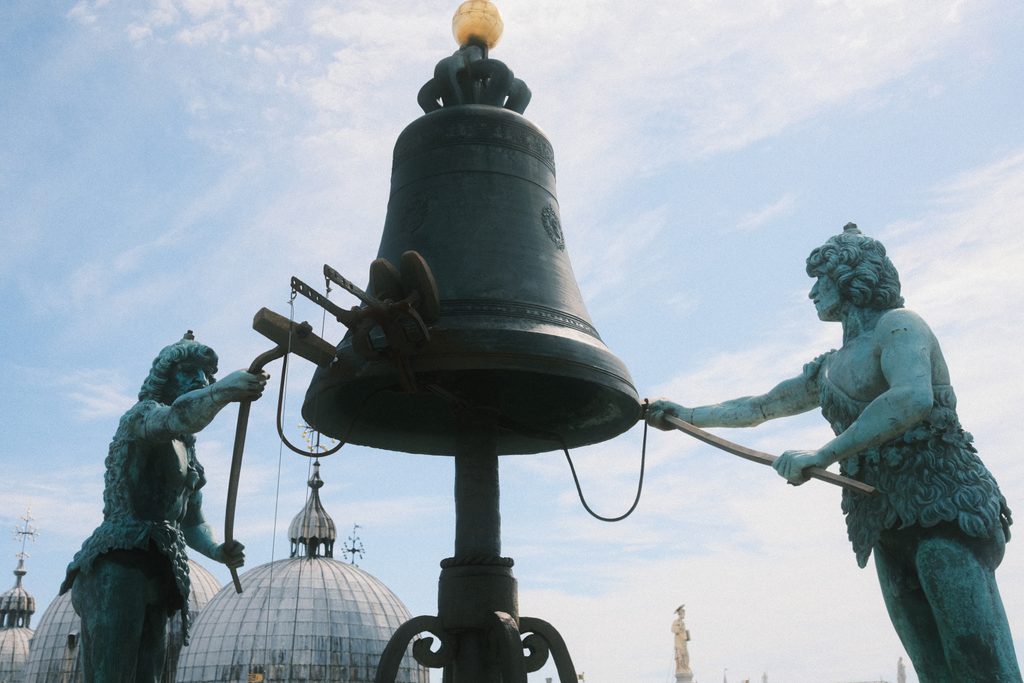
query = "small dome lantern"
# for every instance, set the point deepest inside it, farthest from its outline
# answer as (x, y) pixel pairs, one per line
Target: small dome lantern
(312, 531)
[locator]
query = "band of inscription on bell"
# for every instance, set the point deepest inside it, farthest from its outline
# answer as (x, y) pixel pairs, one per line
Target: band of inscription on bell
(471, 129)
(516, 310)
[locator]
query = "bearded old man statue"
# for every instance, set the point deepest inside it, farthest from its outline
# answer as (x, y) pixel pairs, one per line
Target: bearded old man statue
(131, 575)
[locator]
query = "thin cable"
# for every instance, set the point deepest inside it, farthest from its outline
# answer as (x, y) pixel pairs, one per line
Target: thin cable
(298, 584)
(639, 487)
(507, 423)
(273, 548)
(323, 330)
(309, 453)
(277, 496)
(342, 440)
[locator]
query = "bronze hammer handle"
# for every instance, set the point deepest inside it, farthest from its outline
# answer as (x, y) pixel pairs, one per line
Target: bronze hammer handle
(289, 336)
(236, 455)
(766, 458)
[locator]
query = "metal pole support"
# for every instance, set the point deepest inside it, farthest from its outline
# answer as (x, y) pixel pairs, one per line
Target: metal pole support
(478, 620)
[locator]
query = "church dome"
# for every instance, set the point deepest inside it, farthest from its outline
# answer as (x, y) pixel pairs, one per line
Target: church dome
(14, 654)
(16, 609)
(54, 654)
(308, 619)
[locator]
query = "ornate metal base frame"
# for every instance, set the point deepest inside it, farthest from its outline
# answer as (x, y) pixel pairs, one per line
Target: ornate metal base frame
(478, 625)
(503, 652)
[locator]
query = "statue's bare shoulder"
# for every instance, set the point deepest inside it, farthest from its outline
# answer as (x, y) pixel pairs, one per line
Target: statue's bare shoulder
(902, 320)
(904, 339)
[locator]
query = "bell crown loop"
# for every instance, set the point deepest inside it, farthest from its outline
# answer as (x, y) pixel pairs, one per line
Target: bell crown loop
(470, 77)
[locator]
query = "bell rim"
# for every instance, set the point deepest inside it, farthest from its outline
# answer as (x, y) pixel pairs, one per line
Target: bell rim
(341, 392)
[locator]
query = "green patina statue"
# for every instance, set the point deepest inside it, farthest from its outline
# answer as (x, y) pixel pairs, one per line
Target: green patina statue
(132, 573)
(939, 525)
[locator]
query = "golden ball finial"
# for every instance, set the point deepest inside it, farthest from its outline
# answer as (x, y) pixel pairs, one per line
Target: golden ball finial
(478, 19)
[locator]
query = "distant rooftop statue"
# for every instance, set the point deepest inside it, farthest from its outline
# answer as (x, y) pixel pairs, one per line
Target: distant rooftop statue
(682, 652)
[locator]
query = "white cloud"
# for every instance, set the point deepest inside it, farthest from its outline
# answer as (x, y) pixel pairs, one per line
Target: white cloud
(778, 356)
(67, 501)
(84, 11)
(197, 22)
(703, 77)
(604, 263)
(697, 77)
(756, 219)
(740, 611)
(81, 12)
(98, 394)
(101, 401)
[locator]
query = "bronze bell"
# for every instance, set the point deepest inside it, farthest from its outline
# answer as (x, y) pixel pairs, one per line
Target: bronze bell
(473, 191)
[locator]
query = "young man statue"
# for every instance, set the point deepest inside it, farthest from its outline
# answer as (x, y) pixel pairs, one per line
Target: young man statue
(132, 573)
(939, 525)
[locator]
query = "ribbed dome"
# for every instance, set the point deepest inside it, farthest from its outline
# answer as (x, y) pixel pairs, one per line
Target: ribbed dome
(54, 654)
(313, 527)
(300, 619)
(14, 654)
(307, 619)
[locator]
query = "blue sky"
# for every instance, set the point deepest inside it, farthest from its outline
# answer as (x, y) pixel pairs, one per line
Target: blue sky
(169, 164)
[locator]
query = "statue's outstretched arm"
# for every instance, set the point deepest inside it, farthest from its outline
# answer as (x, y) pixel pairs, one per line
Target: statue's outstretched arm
(200, 535)
(792, 397)
(905, 346)
(193, 411)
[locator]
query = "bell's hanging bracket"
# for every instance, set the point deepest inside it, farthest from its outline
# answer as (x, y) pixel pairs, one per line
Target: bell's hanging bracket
(393, 321)
(470, 77)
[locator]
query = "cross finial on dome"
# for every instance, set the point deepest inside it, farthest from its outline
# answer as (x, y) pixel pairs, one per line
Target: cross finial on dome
(16, 605)
(25, 533)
